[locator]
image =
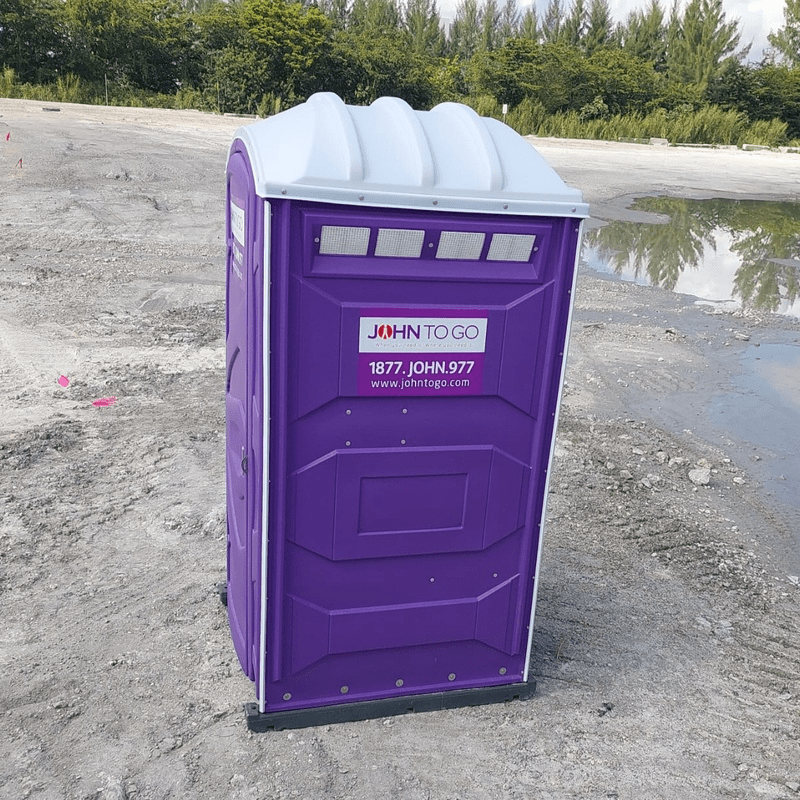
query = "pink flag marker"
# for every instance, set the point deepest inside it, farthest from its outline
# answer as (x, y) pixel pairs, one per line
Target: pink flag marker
(104, 401)
(63, 380)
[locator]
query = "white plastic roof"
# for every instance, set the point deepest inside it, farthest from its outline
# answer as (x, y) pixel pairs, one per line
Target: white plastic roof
(387, 154)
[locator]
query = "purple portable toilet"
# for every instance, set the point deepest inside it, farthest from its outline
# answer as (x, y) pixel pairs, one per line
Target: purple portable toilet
(399, 289)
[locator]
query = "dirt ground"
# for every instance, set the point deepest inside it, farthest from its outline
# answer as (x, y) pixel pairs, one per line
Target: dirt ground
(667, 636)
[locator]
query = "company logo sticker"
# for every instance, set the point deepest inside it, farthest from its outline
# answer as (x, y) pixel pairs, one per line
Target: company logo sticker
(422, 334)
(437, 355)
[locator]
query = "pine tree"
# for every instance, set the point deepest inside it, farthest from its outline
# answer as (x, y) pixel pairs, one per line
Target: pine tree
(380, 17)
(509, 22)
(465, 32)
(529, 25)
(490, 23)
(574, 26)
(786, 40)
(599, 27)
(644, 34)
(701, 43)
(553, 21)
(423, 27)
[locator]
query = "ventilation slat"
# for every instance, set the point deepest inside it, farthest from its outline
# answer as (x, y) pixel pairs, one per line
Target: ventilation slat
(511, 247)
(399, 242)
(461, 245)
(339, 240)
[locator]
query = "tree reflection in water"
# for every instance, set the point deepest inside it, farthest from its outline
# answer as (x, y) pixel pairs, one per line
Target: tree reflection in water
(765, 236)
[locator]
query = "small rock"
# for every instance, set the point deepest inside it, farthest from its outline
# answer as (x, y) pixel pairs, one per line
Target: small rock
(700, 476)
(723, 629)
(606, 708)
(625, 475)
(113, 789)
(169, 743)
(793, 786)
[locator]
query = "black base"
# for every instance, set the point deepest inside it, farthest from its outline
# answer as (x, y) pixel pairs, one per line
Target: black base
(385, 707)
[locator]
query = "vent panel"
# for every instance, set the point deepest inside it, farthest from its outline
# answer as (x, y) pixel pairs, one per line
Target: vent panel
(338, 240)
(511, 247)
(460, 245)
(399, 242)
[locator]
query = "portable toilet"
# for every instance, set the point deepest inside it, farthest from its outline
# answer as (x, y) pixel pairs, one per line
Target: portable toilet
(399, 290)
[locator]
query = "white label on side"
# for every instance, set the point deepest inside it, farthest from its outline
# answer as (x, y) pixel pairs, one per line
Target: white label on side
(237, 223)
(415, 334)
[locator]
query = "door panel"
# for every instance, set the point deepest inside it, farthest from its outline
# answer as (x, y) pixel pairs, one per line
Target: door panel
(406, 558)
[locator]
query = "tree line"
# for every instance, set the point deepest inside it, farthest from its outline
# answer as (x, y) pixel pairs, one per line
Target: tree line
(571, 70)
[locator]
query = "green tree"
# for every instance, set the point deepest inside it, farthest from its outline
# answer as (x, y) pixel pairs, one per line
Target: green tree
(220, 25)
(290, 43)
(599, 27)
(423, 27)
(465, 31)
(144, 44)
(489, 16)
(552, 21)
(365, 66)
(573, 27)
(31, 38)
(786, 40)
(529, 25)
(763, 92)
(263, 53)
(624, 84)
(700, 43)
(509, 22)
(198, 6)
(379, 17)
(644, 34)
(553, 74)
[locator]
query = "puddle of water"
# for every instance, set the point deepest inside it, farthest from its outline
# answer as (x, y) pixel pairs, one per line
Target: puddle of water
(762, 414)
(779, 366)
(742, 252)
(763, 410)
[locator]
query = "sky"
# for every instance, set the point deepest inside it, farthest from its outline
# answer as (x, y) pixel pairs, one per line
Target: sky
(757, 18)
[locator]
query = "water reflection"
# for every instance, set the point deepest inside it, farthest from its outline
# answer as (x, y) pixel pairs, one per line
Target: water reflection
(747, 249)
